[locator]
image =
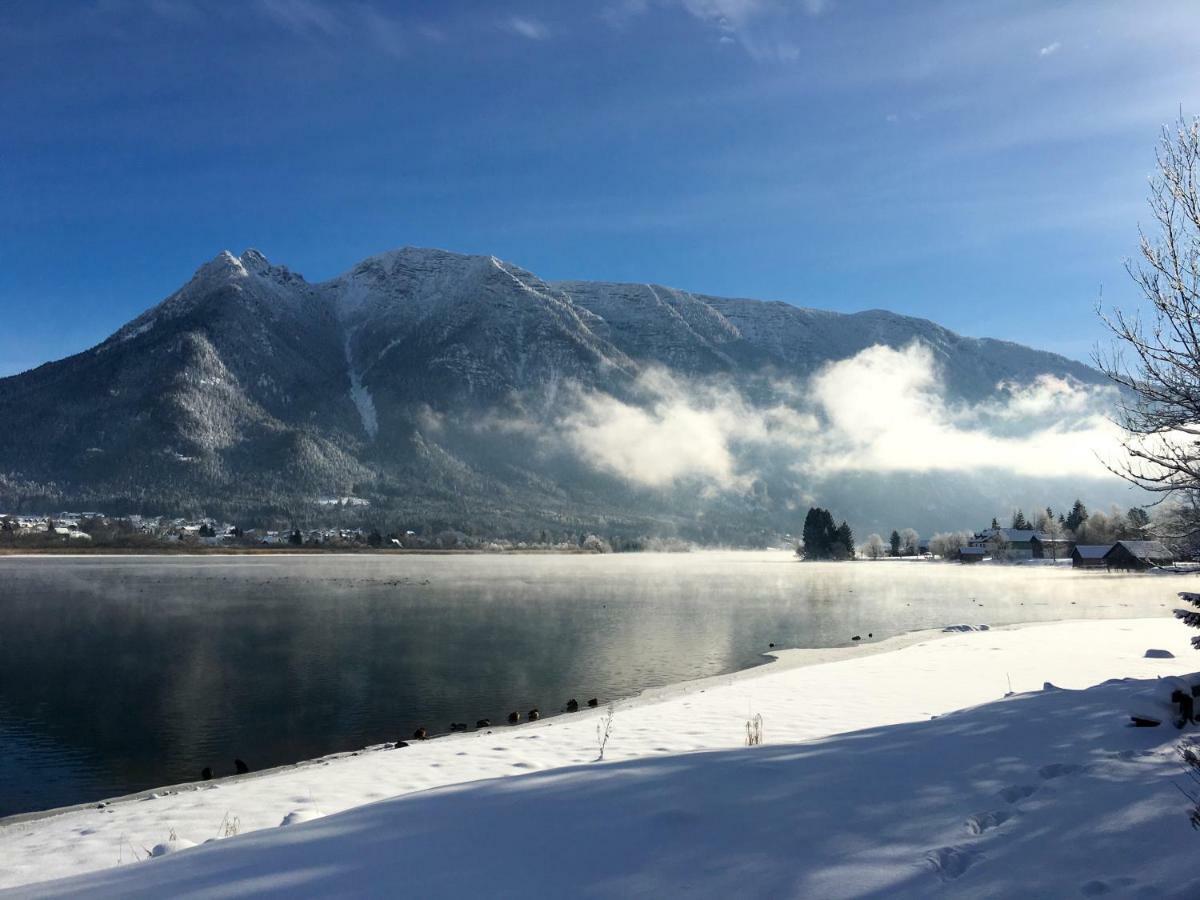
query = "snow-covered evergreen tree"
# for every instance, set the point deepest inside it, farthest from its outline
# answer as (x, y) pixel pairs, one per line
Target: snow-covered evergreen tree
(1189, 617)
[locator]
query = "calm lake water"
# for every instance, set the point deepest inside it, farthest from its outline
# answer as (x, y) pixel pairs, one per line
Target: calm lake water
(120, 674)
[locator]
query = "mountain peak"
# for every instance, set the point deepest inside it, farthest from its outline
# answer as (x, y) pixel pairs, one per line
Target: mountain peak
(253, 261)
(224, 263)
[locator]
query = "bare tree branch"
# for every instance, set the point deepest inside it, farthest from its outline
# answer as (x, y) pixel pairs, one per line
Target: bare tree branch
(1160, 406)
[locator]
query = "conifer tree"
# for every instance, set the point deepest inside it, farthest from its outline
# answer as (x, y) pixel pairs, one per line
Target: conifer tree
(1019, 521)
(844, 542)
(1190, 617)
(1077, 516)
(895, 542)
(821, 536)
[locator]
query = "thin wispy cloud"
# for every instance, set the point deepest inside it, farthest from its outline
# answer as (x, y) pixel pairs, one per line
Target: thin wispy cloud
(751, 24)
(358, 26)
(526, 27)
(725, 13)
(1050, 49)
(182, 12)
(388, 34)
(303, 16)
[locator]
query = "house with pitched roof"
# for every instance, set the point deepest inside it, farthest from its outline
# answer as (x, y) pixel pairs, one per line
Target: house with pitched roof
(1089, 556)
(1138, 555)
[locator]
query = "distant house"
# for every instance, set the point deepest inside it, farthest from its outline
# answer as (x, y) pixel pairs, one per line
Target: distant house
(972, 554)
(1046, 547)
(1138, 555)
(1017, 542)
(1089, 556)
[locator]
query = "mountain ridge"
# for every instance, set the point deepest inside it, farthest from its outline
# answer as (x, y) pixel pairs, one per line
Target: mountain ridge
(427, 381)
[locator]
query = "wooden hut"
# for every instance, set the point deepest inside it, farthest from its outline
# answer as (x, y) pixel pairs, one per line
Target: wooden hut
(1089, 556)
(1138, 555)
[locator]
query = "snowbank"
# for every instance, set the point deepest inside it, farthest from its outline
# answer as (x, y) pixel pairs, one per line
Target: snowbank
(1045, 793)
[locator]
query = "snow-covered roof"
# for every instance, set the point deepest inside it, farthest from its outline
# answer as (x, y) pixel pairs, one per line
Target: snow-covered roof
(1145, 549)
(1092, 551)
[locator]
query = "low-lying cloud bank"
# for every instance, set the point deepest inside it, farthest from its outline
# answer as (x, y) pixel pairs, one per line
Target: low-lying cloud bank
(887, 411)
(881, 411)
(683, 430)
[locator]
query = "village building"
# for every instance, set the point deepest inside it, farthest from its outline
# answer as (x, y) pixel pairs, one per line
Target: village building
(1089, 556)
(1007, 543)
(972, 554)
(1138, 555)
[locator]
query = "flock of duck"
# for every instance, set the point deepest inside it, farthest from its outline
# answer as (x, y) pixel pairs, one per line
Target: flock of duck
(514, 718)
(421, 734)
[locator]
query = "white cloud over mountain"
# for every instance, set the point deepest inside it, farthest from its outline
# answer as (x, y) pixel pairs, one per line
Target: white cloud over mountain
(887, 411)
(881, 411)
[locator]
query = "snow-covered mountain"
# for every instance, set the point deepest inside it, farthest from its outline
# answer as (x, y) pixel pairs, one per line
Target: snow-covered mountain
(435, 385)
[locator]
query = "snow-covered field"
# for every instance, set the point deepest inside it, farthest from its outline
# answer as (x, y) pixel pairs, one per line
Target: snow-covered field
(867, 784)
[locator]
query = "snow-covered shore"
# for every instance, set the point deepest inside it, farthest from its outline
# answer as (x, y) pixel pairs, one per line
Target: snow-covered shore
(1045, 793)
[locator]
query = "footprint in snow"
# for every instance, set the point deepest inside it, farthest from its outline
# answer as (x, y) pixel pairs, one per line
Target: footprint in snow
(1058, 770)
(299, 816)
(949, 863)
(1129, 755)
(984, 821)
(1017, 792)
(1098, 888)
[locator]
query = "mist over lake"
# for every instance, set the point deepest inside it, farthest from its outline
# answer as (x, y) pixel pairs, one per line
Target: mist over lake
(121, 674)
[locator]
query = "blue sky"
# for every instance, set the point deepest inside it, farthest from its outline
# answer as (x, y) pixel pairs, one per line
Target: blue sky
(980, 164)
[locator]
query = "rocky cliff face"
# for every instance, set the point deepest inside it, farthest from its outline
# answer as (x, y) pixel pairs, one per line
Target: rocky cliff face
(425, 381)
